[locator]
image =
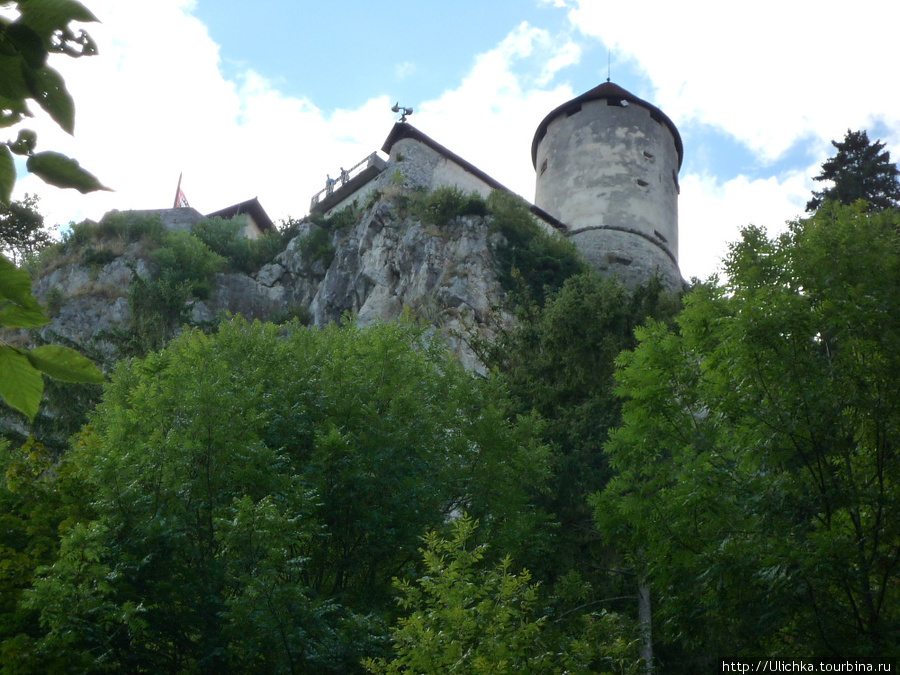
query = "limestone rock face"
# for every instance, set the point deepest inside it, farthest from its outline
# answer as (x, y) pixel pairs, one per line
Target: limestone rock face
(383, 265)
(386, 265)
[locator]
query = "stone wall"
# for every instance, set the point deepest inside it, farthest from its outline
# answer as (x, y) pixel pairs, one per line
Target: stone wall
(609, 172)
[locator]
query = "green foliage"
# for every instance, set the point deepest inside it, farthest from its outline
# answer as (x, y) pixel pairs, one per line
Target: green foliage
(39, 498)
(859, 170)
(337, 221)
(758, 473)
(158, 309)
(242, 254)
(297, 311)
(185, 259)
(54, 300)
(130, 227)
(34, 30)
(316, 246)
(463, 618)
(529, 256)
(63, 172)
(22, 382)
(256, 491)
(22, 232)
(560, 361)
(443, 204)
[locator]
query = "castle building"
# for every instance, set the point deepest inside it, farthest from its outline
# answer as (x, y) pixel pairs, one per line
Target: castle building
(607, 167)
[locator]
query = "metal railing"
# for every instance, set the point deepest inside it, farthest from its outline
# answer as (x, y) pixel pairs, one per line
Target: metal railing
(346, 175)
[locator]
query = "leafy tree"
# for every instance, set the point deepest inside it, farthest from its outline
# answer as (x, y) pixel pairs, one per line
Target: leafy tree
(470, 620)
(560, 361)
(860, 170)
(530, 261)
(22, 232)
(40, 28)
(758, 476)
(256, 490)
(38, 497)
(227, 239)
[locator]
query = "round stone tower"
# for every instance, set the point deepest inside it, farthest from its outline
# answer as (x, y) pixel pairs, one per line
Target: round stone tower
(607, 166)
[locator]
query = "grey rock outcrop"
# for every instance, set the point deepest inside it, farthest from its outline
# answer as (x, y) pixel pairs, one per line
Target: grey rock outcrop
(384, 265)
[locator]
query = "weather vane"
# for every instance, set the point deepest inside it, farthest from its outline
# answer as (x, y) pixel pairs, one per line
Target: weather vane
(399, 108)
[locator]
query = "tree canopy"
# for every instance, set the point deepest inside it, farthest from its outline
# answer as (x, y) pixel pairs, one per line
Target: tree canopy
(22, 231)
(859, 170)
(254, 492)
(758, 474)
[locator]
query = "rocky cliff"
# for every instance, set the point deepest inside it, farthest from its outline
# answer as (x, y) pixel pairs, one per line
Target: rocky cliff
(379, 263)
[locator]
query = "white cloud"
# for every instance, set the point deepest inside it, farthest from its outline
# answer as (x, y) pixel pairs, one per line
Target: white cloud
(771, 73)
(155, 103)
(490, 119)
(711, 214)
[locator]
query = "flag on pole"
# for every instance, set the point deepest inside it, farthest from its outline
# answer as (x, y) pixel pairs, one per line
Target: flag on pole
(181, 201)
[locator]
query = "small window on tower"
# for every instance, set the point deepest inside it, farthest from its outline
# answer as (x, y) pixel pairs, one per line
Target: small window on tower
(574, 109)
(642, 183)
(648, 155)
(618, 102)
(543, 167)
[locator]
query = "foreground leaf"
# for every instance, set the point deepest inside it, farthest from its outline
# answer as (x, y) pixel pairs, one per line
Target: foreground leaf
(15, 284)
(21, 386)
(61, 171)
(49, 90)
(64, 364)
(7, 174)
(46, 16)
(28, 44)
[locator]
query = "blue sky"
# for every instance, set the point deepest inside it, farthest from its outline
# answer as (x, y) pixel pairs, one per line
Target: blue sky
(334, 52)
(264, 98)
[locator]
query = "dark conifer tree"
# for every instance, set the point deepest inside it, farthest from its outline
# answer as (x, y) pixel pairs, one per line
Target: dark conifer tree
(860, 170)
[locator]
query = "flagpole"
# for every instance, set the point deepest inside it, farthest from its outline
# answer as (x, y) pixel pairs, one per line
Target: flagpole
(178, 191)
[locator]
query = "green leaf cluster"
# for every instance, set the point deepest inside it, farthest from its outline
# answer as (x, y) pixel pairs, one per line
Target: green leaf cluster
(758, 477)
(560, 362)
(39, 498)
(22, 382)
(255, 491)
(530, 261)
(464, 617)
(442, 204)
(22, 232)
(242, 254)
(41, 28)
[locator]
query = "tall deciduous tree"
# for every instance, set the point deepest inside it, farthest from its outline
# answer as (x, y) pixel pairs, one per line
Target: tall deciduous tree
(859, 170)
(560, 361)
(257, 490)
(468, 618)
(758, 465)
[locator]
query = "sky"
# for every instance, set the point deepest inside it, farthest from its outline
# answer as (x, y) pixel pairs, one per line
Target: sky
(263, 98)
